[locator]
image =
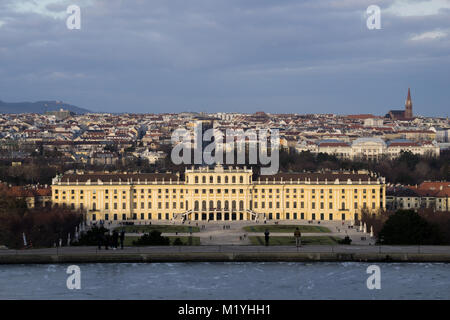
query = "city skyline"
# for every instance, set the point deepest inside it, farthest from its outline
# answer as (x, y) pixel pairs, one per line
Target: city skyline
(239, 155)
(283, 57)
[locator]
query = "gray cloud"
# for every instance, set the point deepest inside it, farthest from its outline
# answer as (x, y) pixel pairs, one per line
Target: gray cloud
(225, 55)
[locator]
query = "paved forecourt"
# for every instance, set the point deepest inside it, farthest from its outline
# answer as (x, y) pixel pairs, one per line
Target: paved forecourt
(239, 232)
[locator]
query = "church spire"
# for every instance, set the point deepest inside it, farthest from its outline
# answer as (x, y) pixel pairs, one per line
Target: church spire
(408, 106)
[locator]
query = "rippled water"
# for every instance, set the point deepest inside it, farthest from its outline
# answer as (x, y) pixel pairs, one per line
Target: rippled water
(227, 281)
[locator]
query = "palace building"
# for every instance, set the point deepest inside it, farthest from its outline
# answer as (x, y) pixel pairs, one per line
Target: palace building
(220, 194)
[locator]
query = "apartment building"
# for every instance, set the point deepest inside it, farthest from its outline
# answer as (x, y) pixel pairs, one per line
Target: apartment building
(429, 194)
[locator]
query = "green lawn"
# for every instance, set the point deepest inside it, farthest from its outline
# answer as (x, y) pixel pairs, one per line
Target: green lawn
(286, 228)
(195, 240)
(160, 227)
(290, 241)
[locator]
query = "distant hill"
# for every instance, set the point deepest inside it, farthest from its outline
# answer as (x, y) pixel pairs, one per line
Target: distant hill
(38, 107)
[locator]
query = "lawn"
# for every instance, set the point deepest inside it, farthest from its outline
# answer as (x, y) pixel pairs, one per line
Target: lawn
(160, 227)
(287, 228)
(290, 241)
(185, 240)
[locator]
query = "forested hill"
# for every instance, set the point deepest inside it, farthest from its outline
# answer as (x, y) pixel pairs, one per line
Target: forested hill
(38, 107)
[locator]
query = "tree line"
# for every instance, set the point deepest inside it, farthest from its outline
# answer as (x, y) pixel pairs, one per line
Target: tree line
(43, 227)
(409, 227)
(406, 169)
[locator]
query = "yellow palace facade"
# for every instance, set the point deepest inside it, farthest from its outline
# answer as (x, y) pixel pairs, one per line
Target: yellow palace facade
(220, 194)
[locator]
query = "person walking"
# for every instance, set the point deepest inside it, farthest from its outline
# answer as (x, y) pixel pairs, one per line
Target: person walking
(100, 240)
(115, 239)
(122, 238)
(297, 235)
(266, 236)
(107, 241)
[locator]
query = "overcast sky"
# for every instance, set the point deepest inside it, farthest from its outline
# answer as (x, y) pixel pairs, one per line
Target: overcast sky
(279, 56)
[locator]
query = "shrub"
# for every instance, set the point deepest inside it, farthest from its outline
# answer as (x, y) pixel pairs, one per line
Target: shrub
(407, 227)
(177, 242)
(92, 236)
(153, 238)
(346, 240)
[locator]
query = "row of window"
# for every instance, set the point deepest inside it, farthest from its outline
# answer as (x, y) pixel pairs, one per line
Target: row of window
(294, 190)
(241, 191)
(218, 205)
(313, 205)
(219, 179)
(218, 216)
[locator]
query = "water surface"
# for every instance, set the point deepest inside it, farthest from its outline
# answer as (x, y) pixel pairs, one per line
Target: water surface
(270, 280)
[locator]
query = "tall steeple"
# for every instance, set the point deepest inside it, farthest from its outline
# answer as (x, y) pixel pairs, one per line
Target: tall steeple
(408, 106)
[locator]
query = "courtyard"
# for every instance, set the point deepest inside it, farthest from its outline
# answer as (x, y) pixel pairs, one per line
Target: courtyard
(249, 232)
